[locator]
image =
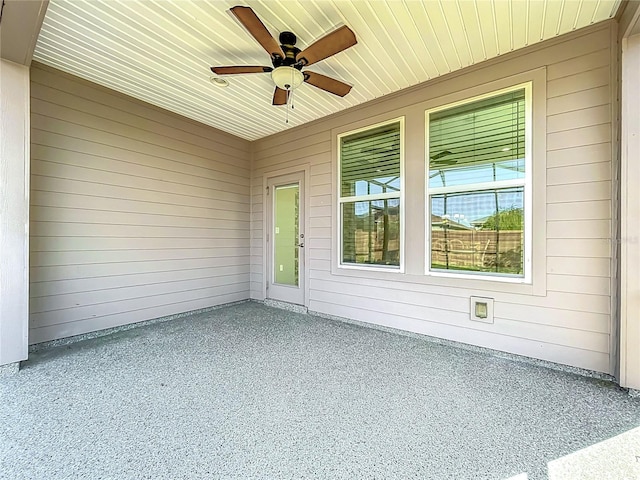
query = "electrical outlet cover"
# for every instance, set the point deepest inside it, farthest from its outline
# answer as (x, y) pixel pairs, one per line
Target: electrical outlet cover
(481, 309)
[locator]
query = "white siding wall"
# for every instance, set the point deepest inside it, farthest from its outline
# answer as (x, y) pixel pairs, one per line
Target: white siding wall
(566, 316)
(14, 211)
(136, 213)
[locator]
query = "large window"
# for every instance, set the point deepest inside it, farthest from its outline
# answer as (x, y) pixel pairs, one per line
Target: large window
(370, 170)
(478, 185)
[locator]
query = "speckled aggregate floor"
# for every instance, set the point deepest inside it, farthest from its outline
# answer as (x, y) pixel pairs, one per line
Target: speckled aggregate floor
(249, 391)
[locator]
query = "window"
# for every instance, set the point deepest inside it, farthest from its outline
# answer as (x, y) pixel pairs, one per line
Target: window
(478, 185)
(370, 170)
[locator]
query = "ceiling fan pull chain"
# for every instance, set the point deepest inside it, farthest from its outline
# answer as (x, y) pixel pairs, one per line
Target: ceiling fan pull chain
(286, 115)
(292, 88)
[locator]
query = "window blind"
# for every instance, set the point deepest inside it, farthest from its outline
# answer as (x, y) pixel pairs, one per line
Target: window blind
(370, 161)
(486, 131)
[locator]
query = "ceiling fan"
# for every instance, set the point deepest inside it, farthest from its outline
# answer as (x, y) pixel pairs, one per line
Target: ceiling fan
(288, 60)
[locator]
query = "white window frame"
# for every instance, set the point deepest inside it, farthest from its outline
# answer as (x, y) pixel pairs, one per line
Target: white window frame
(364, 198)
(526, 182)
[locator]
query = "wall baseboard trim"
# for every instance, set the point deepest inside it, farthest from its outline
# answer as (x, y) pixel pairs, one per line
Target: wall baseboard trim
(36, 347)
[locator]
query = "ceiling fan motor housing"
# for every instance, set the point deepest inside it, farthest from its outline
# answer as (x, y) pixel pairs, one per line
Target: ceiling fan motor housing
(287, 38)
(288, 41)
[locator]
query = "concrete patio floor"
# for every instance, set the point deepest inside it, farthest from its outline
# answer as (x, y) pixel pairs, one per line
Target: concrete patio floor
(248, 391)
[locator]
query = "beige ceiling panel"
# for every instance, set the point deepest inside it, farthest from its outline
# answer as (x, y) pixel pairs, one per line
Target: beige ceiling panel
(519, 24)
(416, 11)
(372, 76)
(502, 25)
(443, 35)
(401, 38)
(552, 14)
(160, 51)
(569, 15)
(415, 39)
(488, 27)
(384, 52)
(537, 11)
(473, 30)
(587, 12)
(456, 31)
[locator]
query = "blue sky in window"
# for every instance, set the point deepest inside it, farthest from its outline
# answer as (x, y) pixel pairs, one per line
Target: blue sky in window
(375, 186)
(364, 187)
(467, 208)
(488, 172)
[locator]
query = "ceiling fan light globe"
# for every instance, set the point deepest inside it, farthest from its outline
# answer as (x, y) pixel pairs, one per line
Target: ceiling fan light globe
(287, 78)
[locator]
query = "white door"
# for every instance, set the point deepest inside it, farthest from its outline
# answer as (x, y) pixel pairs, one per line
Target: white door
(285, 238)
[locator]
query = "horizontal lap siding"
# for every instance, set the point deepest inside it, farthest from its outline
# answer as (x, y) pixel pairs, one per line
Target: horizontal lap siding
(136, 213)
(572, 322)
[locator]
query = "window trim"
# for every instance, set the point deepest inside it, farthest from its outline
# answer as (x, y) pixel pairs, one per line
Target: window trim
(341, 200)
(527, 183)
(442, 92)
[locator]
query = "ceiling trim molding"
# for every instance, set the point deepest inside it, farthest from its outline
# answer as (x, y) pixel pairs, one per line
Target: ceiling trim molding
(19, 29)
(630, 19)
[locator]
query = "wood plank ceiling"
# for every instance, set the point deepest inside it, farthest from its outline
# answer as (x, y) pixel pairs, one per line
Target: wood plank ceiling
(160, 51)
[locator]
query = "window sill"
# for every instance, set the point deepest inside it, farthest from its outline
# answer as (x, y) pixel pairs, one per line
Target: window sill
(370, 268)
(470, 283)
(479, 276)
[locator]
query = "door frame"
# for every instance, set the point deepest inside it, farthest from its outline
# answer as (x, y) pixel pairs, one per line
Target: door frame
(266, 225)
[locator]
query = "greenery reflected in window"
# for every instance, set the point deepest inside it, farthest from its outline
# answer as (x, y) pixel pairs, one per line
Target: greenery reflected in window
(371, 232)
(466, 236)
(370, 184)
(476, 185)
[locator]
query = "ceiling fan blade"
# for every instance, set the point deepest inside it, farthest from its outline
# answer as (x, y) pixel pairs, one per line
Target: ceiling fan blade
(279, 97)
(328, 84)
(330, 44)
(240, 69)
(256, 28)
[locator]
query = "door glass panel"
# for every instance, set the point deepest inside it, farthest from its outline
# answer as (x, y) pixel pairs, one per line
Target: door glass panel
(285, 235)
